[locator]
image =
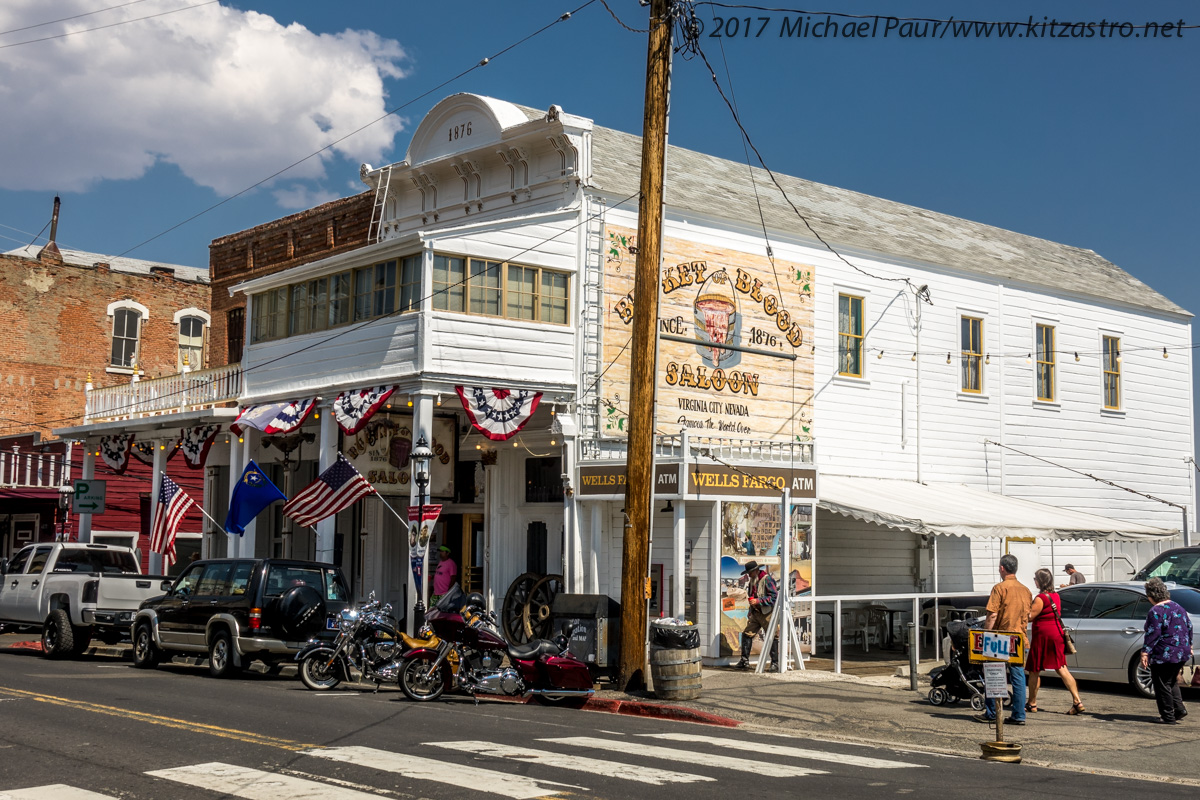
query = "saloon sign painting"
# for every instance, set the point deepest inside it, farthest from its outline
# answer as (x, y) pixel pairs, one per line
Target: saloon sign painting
(715, 296)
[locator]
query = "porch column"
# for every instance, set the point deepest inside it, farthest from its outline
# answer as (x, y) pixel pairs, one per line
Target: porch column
(326, 455)
(89, 473)
(160, 465)
(572, 540)
(593, 582)
(247, 546)
(680, 581)
(235, 475)
(423, 426)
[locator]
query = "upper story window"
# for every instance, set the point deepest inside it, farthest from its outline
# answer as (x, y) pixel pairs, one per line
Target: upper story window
(374, 291)
(500, 289)
(850, 335)
(127, 317)
(972, 355)
(235, 333)
(193, 327)
(1112, 373)
(268, 318)
(1045, 363)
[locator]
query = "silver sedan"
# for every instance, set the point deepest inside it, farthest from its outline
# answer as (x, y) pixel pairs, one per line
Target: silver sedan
(1107, 621)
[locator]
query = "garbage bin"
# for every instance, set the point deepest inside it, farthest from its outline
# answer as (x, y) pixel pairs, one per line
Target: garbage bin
(595, 620)
(675, 661)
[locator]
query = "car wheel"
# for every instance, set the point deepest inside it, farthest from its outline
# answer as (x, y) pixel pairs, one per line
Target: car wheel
(220, 655)
(319, 672)
(58, 635)
(1139, 677)
(419, 683)
(145, 653)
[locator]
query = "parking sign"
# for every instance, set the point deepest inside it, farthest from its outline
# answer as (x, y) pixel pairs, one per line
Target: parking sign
(89, 497)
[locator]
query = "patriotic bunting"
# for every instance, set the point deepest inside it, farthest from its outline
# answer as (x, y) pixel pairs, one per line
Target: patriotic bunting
(336, 488)
(274, 417)
(144, 452)
(114, 451)
(498, 413)
(354, 409)
(196, 442)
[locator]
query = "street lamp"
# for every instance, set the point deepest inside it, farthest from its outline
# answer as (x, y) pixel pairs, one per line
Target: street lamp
(421, 454)
(65, 493)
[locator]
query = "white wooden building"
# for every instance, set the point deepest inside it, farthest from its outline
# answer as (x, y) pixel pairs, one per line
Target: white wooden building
(927, 360)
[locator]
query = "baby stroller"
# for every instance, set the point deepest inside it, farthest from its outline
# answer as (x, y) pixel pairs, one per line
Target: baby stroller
(960, 678)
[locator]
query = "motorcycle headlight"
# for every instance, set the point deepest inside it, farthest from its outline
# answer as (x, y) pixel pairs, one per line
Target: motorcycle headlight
(347, 618)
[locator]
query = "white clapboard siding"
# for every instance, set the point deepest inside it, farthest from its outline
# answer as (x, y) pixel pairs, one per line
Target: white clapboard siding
(854, 557)
(362, 356)
(492, 349)
(550, 241)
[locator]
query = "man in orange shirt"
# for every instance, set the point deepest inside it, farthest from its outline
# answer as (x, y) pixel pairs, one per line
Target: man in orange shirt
(1008, 610)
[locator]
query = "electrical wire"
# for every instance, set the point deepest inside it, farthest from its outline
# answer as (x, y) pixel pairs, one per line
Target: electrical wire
(104, 27)
(68, 19)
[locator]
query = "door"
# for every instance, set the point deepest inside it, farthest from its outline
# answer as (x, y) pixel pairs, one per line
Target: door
(173, 609)
(14, 579)
(1029, 559)
(26, 589)
(1075, 602)
(1110, 633)
(211, 592)
(472, 552)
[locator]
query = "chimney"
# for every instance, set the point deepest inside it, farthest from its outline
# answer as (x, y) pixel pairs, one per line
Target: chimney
(50, 251)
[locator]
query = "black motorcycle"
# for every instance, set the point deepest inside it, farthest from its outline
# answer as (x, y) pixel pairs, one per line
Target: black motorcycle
(369, 641)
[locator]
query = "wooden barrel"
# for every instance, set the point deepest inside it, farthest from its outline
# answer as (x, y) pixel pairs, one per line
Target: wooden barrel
(675, 673)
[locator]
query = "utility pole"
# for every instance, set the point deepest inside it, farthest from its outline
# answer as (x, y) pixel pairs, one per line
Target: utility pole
(635, 556)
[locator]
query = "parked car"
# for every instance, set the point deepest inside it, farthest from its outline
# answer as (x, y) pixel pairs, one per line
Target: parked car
(1179, 565)
(72, 592)
(239, 610)
(1107, 620)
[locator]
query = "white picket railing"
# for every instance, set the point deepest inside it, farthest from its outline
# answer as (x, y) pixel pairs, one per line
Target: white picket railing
(32, 470)
(186, 391)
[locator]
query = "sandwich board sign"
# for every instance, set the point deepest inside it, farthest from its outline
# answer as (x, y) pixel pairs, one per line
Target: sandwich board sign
(89, 497)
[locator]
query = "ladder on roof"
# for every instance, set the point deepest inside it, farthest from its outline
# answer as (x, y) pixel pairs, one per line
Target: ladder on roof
(375, 231)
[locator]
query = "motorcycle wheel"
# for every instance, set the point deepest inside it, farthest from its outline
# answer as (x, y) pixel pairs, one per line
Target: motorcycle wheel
(318, 674)
(417, 684)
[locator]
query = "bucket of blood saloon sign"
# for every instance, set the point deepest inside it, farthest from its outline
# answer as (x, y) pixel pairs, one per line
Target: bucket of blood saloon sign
(716, 296)
(380, 452)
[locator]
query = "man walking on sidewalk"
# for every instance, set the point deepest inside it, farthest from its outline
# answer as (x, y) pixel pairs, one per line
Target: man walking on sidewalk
(1008, 610)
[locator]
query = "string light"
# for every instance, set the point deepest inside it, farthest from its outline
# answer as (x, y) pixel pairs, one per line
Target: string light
(880, 354)
(1077, 356)
(1029, 358)
(1165, 353)
(914, 358)
(439, 400)
(317, 415)
(1118, 355)
(552, 442)
(987, 359)
(410, 401)
(241, 439)
(947, 358)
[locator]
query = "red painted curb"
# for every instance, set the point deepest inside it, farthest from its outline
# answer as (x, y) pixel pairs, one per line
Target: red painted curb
(635, 708)
(33, 645)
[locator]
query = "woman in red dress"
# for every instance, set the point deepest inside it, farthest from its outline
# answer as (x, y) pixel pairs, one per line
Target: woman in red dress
(1046, 645)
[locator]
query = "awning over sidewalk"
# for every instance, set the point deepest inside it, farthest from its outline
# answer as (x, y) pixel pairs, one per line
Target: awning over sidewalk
(948, 509)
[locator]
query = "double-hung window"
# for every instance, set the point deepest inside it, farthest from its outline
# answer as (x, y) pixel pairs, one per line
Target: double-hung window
(410, 283)
(1112, 373)
(498, 289)
(127, 326)
(269, 315)
(850, 335)
(972, 355)
(375, 291)
(1045, 363)
(191, 341)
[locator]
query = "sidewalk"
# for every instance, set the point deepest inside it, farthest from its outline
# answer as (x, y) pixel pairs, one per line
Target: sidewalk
(1115, 736)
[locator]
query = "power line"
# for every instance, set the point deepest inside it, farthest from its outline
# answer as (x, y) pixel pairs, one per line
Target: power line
(68, 19)
(103, 27)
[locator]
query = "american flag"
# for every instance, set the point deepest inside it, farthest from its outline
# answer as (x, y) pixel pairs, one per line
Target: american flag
(173, 503)
(334, 489)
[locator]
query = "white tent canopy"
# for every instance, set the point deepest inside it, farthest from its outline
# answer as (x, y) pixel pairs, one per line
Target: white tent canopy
(949, 509)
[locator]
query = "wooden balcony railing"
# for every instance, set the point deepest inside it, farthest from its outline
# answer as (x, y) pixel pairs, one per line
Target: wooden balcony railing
(186, 391)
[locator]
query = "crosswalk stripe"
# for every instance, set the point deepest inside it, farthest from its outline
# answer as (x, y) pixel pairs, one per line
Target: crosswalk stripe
(684, 756)
(53, 791)
(786, 750)
(428, 769)
(609, 769)
(254, 784)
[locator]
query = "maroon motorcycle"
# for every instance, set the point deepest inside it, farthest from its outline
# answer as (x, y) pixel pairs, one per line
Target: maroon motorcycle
(469, 632)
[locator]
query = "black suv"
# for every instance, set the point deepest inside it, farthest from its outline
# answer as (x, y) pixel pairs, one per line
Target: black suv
(237, 610)
(1180, 565)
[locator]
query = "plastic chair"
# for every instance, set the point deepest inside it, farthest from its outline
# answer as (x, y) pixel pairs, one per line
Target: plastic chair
(861, 622)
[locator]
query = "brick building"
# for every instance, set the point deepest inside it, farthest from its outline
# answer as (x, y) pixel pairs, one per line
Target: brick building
(70, 317)
(326, 230)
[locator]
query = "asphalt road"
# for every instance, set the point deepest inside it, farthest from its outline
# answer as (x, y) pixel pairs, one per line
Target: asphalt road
(101, 726)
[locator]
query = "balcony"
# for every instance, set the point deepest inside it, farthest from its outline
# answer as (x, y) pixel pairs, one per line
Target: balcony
(32, 470)
(188, 391)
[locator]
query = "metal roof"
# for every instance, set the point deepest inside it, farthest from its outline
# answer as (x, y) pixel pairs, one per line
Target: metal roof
(720, 188)
(133, 266)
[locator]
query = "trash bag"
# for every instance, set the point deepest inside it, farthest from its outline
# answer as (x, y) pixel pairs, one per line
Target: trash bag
(674, 634)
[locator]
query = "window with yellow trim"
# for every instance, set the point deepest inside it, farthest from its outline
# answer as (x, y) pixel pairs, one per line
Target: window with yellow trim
(499, 289)
(1112, 373)
(1045, 363)
(972, 355)
(850, 335)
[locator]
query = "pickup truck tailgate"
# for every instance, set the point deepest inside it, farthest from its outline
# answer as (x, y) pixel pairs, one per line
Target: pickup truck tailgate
(127, 591)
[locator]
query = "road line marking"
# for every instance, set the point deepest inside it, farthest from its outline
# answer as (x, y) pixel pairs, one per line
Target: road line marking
(688, 757)
(609, 769)
(54, 791)
(255, 784)
(155, 719)
(427, 769)
(792, 752)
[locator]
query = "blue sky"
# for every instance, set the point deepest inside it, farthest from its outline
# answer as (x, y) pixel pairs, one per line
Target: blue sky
(140, 126)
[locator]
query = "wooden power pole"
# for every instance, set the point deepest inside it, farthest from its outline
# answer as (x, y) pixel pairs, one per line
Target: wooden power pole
(642, 378)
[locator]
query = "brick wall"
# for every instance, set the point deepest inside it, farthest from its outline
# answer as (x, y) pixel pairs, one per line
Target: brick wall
(57, 331)
(311, 235)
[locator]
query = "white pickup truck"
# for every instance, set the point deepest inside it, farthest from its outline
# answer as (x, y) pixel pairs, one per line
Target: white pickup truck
(73, 591)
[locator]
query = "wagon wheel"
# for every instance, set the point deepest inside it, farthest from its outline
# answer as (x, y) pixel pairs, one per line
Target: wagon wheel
(512, 613)
(536, 617)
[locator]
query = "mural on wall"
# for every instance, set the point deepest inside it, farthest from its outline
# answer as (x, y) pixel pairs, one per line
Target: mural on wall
(714, 296)
(380, 452)
(751, 532)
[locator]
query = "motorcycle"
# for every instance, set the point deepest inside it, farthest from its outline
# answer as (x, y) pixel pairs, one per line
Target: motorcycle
(467, 630)
(369, 640)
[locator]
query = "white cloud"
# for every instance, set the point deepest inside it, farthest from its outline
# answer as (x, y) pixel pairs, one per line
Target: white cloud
(298, 197)
(227, 96)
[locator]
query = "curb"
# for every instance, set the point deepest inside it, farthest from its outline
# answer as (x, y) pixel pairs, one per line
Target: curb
(637, 708)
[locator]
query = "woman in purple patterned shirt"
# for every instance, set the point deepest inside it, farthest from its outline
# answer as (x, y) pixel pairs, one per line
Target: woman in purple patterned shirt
(1167, 646)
